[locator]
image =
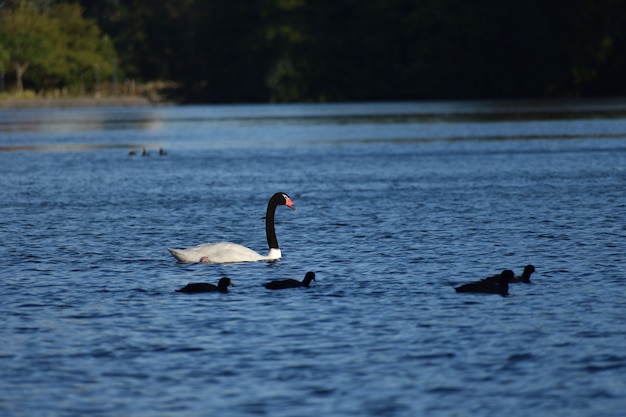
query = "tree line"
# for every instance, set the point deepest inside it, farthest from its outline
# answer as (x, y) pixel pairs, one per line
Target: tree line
(324, 50)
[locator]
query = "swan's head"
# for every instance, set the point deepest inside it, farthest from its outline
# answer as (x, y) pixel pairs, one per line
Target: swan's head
(285, 200)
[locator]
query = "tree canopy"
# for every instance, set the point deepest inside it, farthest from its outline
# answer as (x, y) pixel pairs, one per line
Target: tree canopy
(56, 45)
(330, 50)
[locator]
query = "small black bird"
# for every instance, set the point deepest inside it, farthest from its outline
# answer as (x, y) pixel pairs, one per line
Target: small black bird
(488, 287)
(291, 283)
(195, 287)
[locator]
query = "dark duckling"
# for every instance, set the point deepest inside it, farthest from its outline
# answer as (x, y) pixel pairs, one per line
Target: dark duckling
(525, 278)
(488, 287)
(291, 283)
(196, 287)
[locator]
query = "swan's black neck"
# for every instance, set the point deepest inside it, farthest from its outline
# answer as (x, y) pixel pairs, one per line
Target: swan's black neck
(270, 232)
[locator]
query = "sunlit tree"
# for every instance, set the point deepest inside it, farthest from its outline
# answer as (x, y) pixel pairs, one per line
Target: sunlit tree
(80, 49)
(55, 43)
(24, 36)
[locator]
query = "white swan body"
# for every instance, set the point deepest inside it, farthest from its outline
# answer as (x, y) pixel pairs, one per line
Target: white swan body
(222, 252)
(225, 252)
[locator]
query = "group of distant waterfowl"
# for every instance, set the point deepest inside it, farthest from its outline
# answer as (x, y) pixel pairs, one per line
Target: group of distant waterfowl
(225, 252)
(145, 152)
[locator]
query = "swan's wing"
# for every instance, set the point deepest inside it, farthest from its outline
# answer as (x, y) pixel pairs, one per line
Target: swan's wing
(184, 255)
(220, 252)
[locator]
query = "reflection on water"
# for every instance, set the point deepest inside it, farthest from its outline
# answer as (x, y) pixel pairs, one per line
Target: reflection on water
(78, 119)
(61, 148)
(153, 118)
(307, 124)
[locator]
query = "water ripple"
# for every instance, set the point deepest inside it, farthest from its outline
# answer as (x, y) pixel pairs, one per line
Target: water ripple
(392, 214)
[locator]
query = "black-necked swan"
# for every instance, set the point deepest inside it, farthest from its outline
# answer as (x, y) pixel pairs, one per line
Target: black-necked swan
(224, 252)
(489, 287)
(291, 283)
(525, 278)
(194, 287)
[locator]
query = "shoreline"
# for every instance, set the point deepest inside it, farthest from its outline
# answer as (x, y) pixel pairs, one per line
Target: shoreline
(36, 103)
(596, 105)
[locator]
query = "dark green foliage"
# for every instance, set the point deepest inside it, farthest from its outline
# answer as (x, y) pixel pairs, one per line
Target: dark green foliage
(330, 50)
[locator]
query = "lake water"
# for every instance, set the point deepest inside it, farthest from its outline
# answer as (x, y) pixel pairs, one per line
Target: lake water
(397, 203)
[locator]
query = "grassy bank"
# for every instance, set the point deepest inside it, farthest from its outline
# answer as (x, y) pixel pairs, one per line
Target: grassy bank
(38, 102)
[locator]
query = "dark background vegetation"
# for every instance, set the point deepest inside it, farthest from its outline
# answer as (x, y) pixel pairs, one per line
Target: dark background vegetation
(353, 50)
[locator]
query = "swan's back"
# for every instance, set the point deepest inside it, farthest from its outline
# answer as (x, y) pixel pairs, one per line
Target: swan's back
(221, 252)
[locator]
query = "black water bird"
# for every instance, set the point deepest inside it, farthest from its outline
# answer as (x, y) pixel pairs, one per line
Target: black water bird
(525, 278)
(196, 287)
(291, 283)
(489, 287)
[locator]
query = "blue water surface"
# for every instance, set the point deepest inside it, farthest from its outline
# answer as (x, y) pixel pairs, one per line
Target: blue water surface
(397, 204)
